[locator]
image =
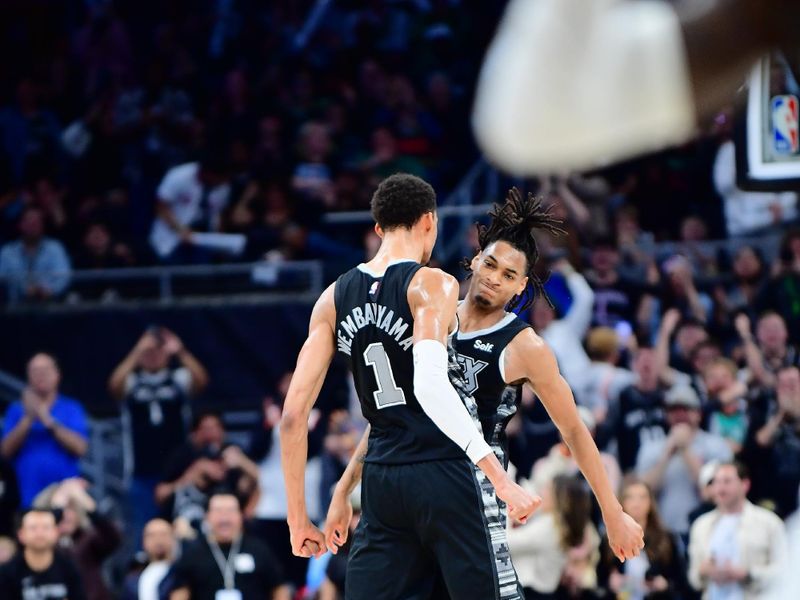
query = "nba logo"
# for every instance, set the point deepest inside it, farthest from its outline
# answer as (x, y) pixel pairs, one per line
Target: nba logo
(785, 128)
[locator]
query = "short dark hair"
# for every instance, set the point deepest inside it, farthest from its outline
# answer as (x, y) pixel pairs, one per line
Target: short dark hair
(43, 511)
(401, 200)
(200, 416)
(515, 222)
(741, 470)
(223, 490)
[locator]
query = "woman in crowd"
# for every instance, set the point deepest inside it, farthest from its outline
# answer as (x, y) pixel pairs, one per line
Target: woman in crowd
(656, 574)
(556, 552)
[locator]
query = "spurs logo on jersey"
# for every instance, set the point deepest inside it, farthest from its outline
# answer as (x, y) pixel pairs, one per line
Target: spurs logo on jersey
(471, 367)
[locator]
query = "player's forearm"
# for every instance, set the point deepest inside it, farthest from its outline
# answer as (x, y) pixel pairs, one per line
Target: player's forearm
(294, 454)
(587, 456)
(352, 474)
(72, 442)
(16, 437)
(493, 470)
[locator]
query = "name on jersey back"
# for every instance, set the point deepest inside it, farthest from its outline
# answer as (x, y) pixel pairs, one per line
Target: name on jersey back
(377, 315)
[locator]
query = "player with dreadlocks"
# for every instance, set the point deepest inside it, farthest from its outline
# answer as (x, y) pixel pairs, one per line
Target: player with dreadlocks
(499, 353)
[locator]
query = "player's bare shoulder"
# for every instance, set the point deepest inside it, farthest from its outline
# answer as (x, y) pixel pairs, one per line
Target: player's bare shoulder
(324, 311)
(526, 356)
(431, 284)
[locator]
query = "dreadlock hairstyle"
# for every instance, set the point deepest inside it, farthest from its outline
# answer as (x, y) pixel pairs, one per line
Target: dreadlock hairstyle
(515, 222)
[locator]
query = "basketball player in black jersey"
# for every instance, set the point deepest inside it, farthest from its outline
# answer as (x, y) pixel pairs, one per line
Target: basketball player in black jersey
(422, 502)
(499, 353)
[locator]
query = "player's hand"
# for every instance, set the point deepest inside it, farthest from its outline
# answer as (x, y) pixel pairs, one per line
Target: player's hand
(521, 503)
(625, 536)
(307, 540)
(337, 523)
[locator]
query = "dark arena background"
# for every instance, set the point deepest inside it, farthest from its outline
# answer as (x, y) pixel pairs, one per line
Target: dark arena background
(179, 182)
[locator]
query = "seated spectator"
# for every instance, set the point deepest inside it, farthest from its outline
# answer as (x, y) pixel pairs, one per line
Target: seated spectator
(782, 292)
(556, 553)
(227, 558)
(738, 549)
(639, 414)
(385, 159)
(101, 251)
(769, 350)
(159, 545)
(85, 534)
(727, 396)
(154, 384)
(564, 334)
(44, 433)
(38, 571)
(779, 440)
(313, 177)
(190, 200)
(35, 267)
(604, 379)
(201, 464)
(670, 465)
(9, 498)
(658, 573)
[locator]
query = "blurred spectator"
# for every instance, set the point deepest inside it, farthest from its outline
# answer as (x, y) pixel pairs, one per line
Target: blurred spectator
(740, 291)
(782, 292)
(8, 549)
(680, 291)
(658, 573)
(604, 380)
(313, 177)
(727, 397)
(639, 414)
(616, 298)
(779, 438)
(159, 546)
(333, 586)
(86, 535)
(38, 571)
(9, 498)
(31, 134)
(44, 433)
(201, 464)
(556, 553)
(385, 158)
(101, 251)
(689, 333)
(270, 513)
(190, 200)
(704, 484)
(738, 549)
(564, 334)
(770, 350)
(559, 461)
(671, 465)
(227, 559)
(35, 267)
(154, 392)
(749, 212)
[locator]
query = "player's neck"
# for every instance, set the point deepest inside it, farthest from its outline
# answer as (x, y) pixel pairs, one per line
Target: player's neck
(473, 317)
(396, 245)
(38, 561)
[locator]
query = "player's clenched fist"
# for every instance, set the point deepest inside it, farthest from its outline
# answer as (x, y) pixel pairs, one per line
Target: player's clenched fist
(521, 503)
(625, 536)
(307, 540)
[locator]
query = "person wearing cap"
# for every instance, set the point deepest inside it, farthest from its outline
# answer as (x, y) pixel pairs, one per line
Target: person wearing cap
(737, 550)
(604, 379)
(671, 465)
(704, 481)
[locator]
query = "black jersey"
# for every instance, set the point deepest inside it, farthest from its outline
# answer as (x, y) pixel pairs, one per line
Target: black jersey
(480, 354)
(374, 329)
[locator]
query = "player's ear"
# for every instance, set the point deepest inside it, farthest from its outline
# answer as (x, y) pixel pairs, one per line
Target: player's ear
(429, 221)
(473, 264)
(379, 230)
(523, 284)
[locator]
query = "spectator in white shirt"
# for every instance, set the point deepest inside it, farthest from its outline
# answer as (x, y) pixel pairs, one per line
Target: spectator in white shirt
(190, 200)
(738, 549)
(747, 212)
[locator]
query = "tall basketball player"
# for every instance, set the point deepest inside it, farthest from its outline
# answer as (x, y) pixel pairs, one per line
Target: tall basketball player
(575, 84)
(499, 353)
(422, 506)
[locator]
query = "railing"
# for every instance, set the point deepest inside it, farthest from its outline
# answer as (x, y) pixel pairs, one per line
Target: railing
(171, 284)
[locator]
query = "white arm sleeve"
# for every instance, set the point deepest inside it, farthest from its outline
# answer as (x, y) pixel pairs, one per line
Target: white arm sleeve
(440, 401)
(573, 84)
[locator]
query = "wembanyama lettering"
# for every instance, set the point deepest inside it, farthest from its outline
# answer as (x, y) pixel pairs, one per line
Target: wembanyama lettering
(372, 314)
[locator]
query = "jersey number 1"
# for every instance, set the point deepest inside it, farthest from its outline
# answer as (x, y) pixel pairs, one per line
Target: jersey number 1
(388, 392)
